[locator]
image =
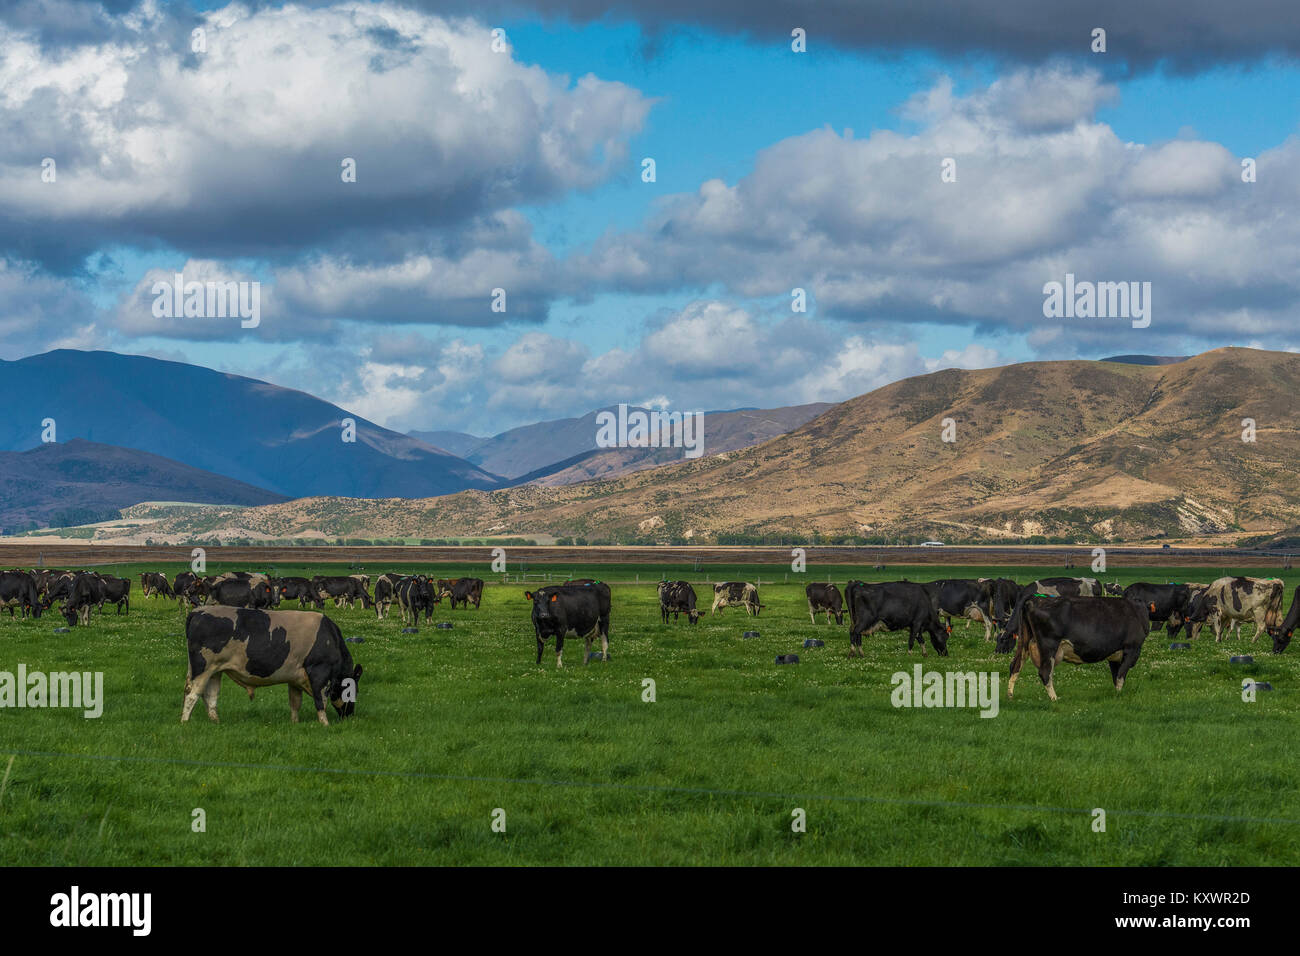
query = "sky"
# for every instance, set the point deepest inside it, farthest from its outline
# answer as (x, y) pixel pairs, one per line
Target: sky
(133, 148)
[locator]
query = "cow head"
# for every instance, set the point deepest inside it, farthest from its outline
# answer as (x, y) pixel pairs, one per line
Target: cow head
(1113, 588)
(69, 614)
(346, 708)
(1281, 638)
(694, 615)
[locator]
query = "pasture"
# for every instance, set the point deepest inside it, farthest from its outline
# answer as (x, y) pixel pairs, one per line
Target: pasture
(453, 725)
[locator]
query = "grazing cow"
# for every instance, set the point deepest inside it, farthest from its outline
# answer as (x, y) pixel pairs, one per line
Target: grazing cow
(1240, 599)
(677, 597)
(154, 583)
(825, 597)
(257, 648)
(571, 610)
(235, 593)
(962, 597)
(85, 591)
(18, 591)
(115, 591)
(736, 594)
(58, 586)
(1074, 629)
(384, 596)
(415, 594)
(1165, 602)
(344, 590)
(362, 579)
(1064, 587)
(1282, 634)
(464, 591)
(894, 606)
(43, 577)
(296, 589)
(1005, 593)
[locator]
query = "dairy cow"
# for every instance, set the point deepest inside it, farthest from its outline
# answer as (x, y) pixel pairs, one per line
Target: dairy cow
(825, 598)
(894, 606)
(257, 648)
(735, 594)
(571, 610)
(1075, 629)
(1238, 599)
(677, 597)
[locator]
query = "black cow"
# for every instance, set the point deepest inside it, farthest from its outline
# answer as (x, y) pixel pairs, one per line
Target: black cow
(962, 597)
(895, 606)
(1282, 633)
(154, 583)
(464, 591)
(564, 610)
(825, 597)
(115, 591)
(1078, 630)
(235, 593)
(1005, 593)
(256, 648)
(18, 590)
(677, 597)
(85, 591)
(1166, 604)
(343, 590)
(296, 589)
(182, 583)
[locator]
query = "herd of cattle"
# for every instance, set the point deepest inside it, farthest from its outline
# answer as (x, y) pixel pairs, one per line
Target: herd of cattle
(1052, 619)
(33, 591)
(234, 627)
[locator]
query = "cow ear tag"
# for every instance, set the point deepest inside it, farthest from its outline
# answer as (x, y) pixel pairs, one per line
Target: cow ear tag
(554, 597)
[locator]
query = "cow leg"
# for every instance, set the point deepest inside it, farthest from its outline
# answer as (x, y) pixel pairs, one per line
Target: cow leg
(295, 702)
(604, 645)
(211, 691)
(559, 650)
(194, 689)
(586, 656)
(1047, 660)
(1017, 661)
(812, 615)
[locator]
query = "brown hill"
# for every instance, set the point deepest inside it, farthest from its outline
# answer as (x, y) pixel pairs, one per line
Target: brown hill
(1078, 448)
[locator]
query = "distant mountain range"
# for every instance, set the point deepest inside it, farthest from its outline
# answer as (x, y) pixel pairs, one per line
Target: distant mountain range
(278, 439)
(1078, 450)
(129, 429)
(564, 451)
(81, 482)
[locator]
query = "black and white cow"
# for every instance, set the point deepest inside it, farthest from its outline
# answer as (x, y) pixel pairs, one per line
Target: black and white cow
(1166, 603)
(736, 594)
(677, 597)
(1075, 629)
(415, 593)
(1237, 599)
(257, 648)
(825, 598)
(154, 583)
(894, 606)
(571, 610)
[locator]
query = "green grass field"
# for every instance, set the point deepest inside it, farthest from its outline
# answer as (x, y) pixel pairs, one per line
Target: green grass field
(453, 725)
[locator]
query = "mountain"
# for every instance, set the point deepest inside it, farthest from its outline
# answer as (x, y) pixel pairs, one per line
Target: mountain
(1077, 449)
(80, 482)
(270, 437)
(564, 451)
(459, 444)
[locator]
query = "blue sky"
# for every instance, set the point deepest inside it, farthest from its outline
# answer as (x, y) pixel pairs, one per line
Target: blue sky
(675, 290)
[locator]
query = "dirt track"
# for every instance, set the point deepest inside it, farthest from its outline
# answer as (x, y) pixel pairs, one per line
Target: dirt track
(1054, 557)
